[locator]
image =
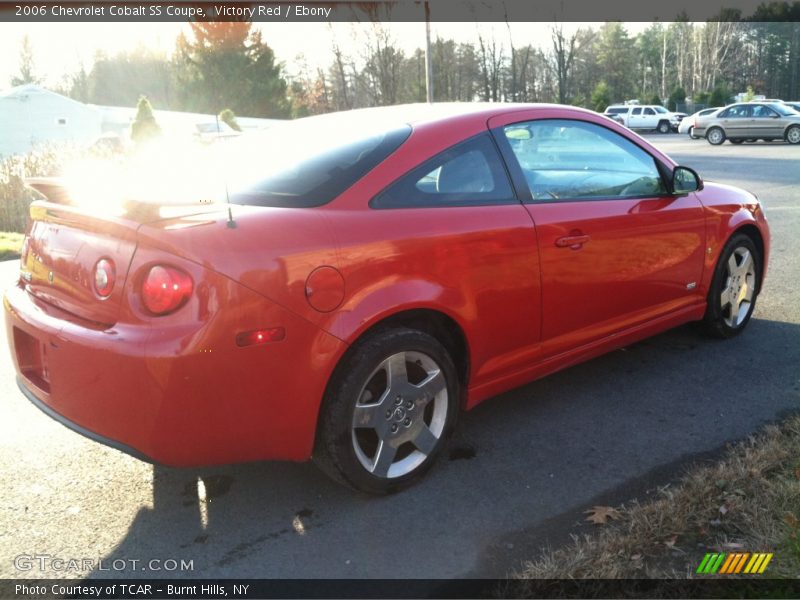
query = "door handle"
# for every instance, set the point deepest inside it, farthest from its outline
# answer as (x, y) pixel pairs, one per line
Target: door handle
(572, 241)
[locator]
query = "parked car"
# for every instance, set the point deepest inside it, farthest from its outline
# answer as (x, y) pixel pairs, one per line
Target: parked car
(687, 124)
(359, 291)
(794, 105)
(751, 121)
(614, 117)
(652, 117)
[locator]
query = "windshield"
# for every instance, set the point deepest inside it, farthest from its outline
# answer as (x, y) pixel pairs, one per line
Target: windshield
(307, 162)
(783, 109)
(660, 109)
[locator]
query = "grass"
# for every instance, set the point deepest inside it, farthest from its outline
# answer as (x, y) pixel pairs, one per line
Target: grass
(10, 244)
(747, 502)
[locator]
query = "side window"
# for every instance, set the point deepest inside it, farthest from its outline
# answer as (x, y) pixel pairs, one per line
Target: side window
(649, 111)
(576, 160)
(468, 174)
(762, 112)
(636, 111)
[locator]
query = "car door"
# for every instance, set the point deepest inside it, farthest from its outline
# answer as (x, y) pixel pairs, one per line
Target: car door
(765, 122)
(736, 120)
(649, 118)
(616, 248)
(635, 120)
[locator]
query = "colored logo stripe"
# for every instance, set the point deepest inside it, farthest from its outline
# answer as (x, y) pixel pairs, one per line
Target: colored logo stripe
(734, 563)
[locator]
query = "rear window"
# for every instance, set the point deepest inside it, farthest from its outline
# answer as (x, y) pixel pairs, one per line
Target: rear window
(307, 162)
(616, 111)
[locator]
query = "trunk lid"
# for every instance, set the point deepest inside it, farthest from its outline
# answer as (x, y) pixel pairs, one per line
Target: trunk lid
(63, 247)
(64, 244)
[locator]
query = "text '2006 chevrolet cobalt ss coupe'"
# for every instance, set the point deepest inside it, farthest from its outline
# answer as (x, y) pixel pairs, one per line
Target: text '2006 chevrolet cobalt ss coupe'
(374, 273)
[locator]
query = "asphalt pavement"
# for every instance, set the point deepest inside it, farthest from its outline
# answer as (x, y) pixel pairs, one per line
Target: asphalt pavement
(520, 471)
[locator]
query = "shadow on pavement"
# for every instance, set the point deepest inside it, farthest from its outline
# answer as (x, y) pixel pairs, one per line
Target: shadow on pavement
(517, 463)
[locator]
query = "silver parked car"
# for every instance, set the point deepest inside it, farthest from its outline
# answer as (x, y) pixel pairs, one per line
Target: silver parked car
(751, 121)
(688, 123)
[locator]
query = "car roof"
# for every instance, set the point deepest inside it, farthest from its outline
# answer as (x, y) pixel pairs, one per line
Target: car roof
(417, 114)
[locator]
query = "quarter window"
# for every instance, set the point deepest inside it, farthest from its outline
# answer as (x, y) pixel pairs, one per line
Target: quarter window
(576, 160)
(470, 173)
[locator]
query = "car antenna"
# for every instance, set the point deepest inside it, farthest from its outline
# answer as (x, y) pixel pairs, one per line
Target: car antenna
(231, 222)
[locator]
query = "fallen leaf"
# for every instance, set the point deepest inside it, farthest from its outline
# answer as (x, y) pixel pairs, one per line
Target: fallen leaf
(636, 557)
(715, 522)
(671, 541)
(723, 509)
(797, 473)
(601, 514)
(791, 521)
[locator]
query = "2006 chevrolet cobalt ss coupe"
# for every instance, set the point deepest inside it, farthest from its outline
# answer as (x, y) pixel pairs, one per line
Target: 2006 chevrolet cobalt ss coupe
(376, 272)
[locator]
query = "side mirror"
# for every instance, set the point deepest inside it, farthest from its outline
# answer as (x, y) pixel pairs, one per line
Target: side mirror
(685, 180)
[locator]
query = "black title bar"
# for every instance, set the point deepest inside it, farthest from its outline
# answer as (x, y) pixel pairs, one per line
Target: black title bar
(388, 11)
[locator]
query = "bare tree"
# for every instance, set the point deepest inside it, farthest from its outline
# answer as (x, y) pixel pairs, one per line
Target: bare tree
(563, 55)
(490, 63)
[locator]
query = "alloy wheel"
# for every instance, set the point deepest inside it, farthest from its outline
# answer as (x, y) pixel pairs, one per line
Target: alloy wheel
(736, 299)
(400, 415)
(715, 136)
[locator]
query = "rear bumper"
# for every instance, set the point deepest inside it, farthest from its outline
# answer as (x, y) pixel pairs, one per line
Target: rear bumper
(179, 393)
(77, 428)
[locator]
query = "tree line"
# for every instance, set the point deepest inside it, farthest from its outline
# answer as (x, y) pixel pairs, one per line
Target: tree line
(229, 65)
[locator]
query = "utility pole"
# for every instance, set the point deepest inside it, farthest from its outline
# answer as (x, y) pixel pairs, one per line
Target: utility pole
(428, 57)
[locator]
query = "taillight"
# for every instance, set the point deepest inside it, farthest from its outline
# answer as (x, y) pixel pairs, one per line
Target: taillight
(104, 277)
(165, 289)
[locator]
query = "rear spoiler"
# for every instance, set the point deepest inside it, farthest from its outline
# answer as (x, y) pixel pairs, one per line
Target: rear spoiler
(52, 188)
(55, 190)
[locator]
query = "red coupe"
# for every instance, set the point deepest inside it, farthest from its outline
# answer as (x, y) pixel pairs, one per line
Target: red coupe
(374, 273)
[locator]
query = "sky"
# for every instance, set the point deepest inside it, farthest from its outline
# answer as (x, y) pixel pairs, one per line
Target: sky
(61, 48)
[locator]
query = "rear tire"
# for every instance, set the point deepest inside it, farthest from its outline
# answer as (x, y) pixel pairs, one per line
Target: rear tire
(715, 136)
(389, 409)
(692, 135)
(734, 288)
(737, 141)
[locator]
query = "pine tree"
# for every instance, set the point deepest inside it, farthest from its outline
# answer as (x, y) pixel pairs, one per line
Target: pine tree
(144, 126)
(228, 117)
(228, 64)
(26, 64)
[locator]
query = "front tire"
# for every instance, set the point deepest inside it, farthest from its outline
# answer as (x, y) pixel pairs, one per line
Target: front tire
(715, 136)
(734, 288)
(388, 411)
(737, 141)
(664, 127)
(793, 134)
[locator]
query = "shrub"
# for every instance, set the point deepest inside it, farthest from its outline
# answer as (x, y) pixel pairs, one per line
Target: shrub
(15, 197)
(228, 117)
